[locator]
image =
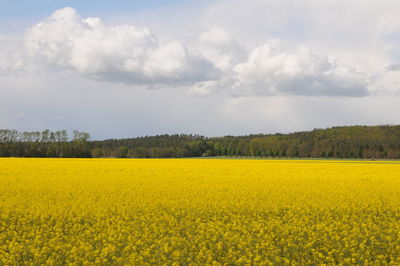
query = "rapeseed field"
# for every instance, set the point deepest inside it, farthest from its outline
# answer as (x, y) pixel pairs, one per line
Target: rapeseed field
(198, 212)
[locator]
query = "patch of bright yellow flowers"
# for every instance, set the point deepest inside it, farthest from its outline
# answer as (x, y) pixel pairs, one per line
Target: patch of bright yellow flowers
(198, 211)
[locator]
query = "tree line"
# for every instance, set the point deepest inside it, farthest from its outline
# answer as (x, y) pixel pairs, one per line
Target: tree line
(372, 142)
(44, 144)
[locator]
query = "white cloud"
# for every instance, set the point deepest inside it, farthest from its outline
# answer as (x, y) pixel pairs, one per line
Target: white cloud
(134, 55)
(387, 81)
(12, 61)
(360, 33)
(273, 70)
(216, 36)
(215, 60)
(218, 46)
(11, 64)
(121, 53)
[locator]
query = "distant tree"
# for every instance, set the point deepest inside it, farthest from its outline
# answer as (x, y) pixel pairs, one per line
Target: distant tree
(97, 153)
(81, 136)
(209, 153)
(121, 152)
(352, 142)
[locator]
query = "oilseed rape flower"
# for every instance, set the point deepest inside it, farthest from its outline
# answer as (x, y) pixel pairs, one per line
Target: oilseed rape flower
(198, 212)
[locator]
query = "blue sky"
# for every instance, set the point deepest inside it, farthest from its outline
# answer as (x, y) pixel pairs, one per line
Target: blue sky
(28, 8)
(212, 67)
(17, 15)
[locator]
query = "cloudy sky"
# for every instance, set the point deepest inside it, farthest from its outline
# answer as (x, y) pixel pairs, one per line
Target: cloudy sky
(224, 67)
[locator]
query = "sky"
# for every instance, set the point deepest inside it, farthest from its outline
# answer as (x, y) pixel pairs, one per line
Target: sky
(125, 68)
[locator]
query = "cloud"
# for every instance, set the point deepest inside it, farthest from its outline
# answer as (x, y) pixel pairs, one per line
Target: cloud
(11, 64)
(213, 62)
(387, 81)
(224, 50)
(218, 46)
(393, 67)
(360, 33)
(273, 70)
(12, 61)
(123, 53)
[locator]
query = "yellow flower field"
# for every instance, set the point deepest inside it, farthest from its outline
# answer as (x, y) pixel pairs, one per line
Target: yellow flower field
(198, 211)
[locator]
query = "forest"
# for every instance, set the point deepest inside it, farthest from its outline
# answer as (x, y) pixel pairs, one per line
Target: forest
(362, 142)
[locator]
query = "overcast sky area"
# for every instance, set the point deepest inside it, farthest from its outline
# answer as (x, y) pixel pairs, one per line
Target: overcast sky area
(224, 67)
